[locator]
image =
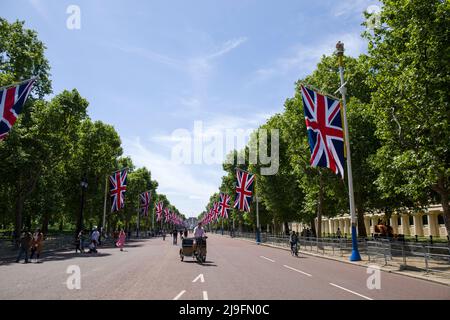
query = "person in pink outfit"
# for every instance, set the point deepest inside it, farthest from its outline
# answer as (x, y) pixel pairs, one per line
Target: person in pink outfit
(121, 240)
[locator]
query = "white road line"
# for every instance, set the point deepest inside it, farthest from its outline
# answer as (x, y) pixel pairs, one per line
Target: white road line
(201, 277)
(267, 258)
(205, 295)
(351, 291)
(297, 270)
(179, 295)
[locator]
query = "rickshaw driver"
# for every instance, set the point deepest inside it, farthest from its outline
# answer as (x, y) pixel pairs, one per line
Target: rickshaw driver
(199, 233)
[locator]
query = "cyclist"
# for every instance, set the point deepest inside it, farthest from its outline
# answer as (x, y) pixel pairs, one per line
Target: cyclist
(199, 233)
(293, 239)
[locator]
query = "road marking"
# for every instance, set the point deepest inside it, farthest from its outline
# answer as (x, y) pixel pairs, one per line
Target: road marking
(200, 276)
(179, 295)
(205, 295)
(267, 258)
(297, 270)
(351, 291)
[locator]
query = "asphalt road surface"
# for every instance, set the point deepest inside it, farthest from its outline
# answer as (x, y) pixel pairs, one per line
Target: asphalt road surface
(235, 269)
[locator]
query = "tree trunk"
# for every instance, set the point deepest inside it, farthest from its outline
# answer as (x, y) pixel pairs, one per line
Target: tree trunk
(446, 211)
(313, 227)
(45, 221)
(19, 211)
(441, 189)
(286, 228)
(361, 226)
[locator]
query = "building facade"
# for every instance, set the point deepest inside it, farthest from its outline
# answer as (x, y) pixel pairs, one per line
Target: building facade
(423, 224)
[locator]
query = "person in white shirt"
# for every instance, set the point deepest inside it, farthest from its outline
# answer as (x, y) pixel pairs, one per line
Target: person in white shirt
(94, 239)
(199, 233)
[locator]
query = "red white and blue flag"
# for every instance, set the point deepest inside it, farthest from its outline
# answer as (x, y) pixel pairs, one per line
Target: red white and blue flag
(244, 190)
(224, 206)
(117, 188)
(166, 214)
(325, 134)
(159, 210)
(12, 100)
(144, 203)
(215, 211)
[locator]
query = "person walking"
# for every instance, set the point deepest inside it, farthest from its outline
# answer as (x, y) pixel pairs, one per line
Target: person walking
(175, 236)
(121, 242)
(79, 242)
(25, 243)
(338, 233)
(37, 244)
(94, 240)
(185, 233)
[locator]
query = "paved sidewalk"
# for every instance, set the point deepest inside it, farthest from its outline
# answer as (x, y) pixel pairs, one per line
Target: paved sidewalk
(419, 274)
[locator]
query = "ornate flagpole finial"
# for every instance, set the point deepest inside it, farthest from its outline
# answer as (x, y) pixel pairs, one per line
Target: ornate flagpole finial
(340, 48)
(340, 52)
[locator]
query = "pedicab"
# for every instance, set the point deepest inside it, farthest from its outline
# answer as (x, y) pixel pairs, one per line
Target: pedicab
(188, 249)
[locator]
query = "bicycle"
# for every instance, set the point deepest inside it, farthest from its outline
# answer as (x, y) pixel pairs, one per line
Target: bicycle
(294, 249)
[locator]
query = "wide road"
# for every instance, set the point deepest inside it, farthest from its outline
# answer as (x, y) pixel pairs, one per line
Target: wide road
(235, 269)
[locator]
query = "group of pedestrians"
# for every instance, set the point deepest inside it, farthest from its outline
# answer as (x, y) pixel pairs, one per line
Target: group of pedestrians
(30, 243)
(92, 240)
(183, 233)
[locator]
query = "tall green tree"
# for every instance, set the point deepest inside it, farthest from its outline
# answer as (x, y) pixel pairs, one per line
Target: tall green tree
(409, 59)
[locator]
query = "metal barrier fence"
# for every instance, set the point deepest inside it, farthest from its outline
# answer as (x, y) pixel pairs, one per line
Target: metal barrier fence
(431, 258)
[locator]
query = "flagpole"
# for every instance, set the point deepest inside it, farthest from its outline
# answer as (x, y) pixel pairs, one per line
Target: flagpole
(258, 235)
(17, 83)
(104, 205)
(355, 256)
(138, 217)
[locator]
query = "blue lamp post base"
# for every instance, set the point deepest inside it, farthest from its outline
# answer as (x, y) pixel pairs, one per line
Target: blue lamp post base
(258, 236)
(355, 256)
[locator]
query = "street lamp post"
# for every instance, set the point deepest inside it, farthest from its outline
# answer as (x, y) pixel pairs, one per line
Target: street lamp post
(84, 186)
(355, 256)
(258, 234)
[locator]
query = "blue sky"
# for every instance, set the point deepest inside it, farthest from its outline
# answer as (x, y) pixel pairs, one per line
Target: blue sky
(152, 67)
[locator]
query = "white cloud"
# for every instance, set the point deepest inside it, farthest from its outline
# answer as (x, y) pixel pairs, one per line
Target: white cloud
(40, 8)
(177, 180)
(351, 7)
(227, 47)
(304, 57)
(216, 124)
(149, 55)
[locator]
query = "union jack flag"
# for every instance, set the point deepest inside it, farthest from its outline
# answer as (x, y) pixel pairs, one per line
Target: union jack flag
(117, 188)
(12, 100)
(144, 202)
(224, 207)
(325, 135)
(159, 210)
(166, 214)
(244, 190)
(215, 210)
(210, 215)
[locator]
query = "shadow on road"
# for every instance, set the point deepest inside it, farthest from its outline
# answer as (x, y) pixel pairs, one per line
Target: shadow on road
(204, 264)
(57, 256)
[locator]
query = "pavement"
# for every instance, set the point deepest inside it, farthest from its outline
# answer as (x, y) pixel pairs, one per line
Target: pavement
(441, 278)
(234, 269)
